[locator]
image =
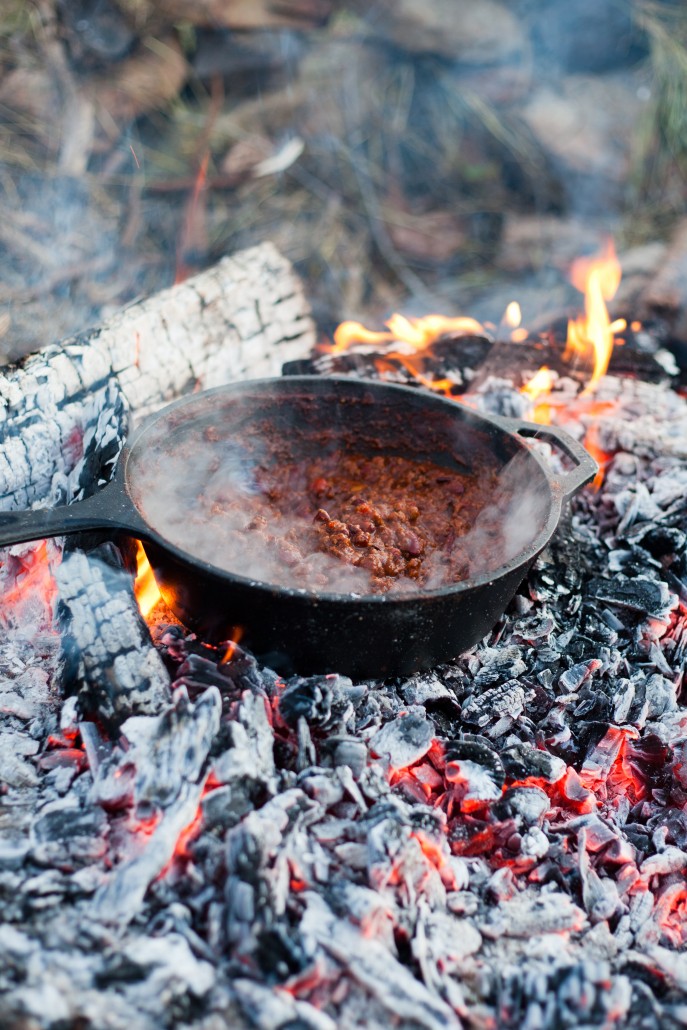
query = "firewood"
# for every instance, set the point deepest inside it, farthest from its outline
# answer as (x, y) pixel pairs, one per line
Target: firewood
(121, 673)
(65, 411)
(170, 753)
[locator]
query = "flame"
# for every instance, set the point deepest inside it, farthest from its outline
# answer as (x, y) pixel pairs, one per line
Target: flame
(540, 383)
(601, 457)
(145, 587)
(511, 320)
(590, 339)
(417, 332)
(592, 335)
(513, 315)
(232, 643)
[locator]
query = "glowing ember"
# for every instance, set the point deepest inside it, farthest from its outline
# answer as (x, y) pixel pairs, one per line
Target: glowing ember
(146, 827)
(592, 335)
(187, 835)
(145, 587)
(30, 583)
(671, 912)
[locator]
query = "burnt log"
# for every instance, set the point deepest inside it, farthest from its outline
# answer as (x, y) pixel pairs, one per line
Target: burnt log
(120, 671)
(65, 411)
(472, 361)
(452, 355)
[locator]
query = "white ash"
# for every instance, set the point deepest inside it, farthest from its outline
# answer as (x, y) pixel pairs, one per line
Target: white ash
(266, 854)
(404, 740)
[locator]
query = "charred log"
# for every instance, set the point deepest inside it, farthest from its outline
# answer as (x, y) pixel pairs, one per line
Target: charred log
(470, 361)
(120, 671)
(64, 412)
(170, 755)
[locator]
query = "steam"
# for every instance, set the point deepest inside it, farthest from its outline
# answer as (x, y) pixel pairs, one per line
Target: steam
(206, 506)
(512, 521)
(208, 501)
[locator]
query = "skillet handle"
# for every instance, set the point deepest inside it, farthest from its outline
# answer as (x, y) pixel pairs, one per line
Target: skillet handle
(110, 508)
(585, 468)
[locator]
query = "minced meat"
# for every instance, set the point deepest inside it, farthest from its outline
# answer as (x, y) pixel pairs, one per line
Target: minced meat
(397, 520)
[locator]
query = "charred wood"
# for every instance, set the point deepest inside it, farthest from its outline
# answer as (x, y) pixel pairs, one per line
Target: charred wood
(64, 411)
(469, 362)
(169, 754)
(121, 672)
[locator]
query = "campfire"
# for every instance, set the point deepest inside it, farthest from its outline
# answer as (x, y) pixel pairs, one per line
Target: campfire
(590, 340)
(192, 837)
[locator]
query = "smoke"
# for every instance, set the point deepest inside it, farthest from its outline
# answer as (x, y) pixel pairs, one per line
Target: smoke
(210, 505)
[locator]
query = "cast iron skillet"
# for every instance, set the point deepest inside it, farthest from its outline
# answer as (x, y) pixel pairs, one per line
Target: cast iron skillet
(371, 635)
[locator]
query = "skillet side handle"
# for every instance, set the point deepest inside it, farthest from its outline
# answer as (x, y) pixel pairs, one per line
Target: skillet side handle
(585, 468)
(109, 508)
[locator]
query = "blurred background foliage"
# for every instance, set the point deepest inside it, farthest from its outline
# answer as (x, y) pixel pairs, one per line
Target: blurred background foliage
(402, 154)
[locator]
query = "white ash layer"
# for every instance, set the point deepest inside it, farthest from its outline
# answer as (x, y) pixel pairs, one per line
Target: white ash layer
(499, 842)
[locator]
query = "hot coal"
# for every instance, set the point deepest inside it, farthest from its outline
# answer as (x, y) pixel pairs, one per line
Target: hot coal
(500, 841)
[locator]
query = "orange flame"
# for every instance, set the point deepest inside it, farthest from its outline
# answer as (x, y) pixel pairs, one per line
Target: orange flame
(592, 335)
(145, 587)
(590, 338)
(513, 315)
(232, 643)
(540, 383)
(601, 457)
(417, 332)
(511, 320)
